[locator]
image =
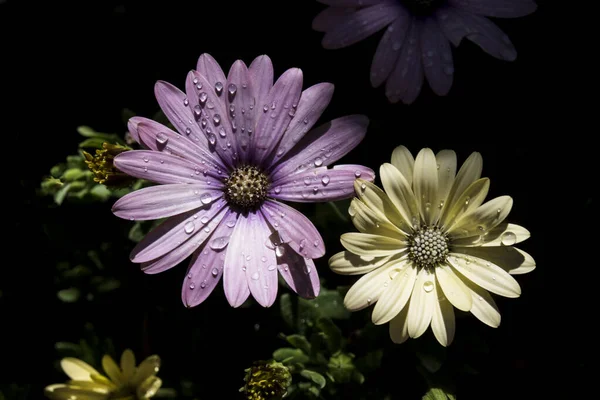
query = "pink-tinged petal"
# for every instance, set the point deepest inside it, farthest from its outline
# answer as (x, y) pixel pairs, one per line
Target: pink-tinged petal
(164, 201)
(159, 138)
(235, 283)
(313, 102)
(457, 24)
(132, 127)
(206, 266)
(496, 8)
(360, 25)
(320, 184)
(177, 255)
(388, 50)
(275, 115)
(241, 110)
(261, 72)
(164, 168)
(294, 229)
(298, 272)
(406, 80)
(175, 104)
(324, 145)
(210, 113)
(210, 69)
(350, 3)
(330, 17)
(174, 231)
(437, 57)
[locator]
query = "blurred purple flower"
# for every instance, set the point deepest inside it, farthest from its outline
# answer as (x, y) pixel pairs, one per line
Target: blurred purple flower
(415, 44)
(243, 145)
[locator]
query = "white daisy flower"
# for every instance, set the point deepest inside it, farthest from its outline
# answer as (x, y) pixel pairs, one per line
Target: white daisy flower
(428, 244)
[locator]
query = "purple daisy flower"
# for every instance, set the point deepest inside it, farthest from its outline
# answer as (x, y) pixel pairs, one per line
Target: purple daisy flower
(416, 43)
(244, 144)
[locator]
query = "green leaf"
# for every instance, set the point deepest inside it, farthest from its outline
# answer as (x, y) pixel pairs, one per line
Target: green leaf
(67, 346)
(340, 367)
(69, 295)
(59, 196)
(358, 377)
(88, 132)
(136, 233)
(108, 285)
(299, 342)
(287, 312)
(95, 143)
(290, 355)
(438, 394)
(315, 377)
(329, 304)
(100, 192)
(331, 333)
(73, 174)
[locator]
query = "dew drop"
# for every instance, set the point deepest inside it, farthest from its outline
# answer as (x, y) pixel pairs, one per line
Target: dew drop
(219, 243)
(363, 187)
(508, 238)
(189, 227)
(277, 189)
(192, 286)
(255, 276)
(214, 272)
(188, 131)
(195, 81)
(186, 102)
(219, 88)
(204, 220)
(279, 251)
(318, 162)
(162, 138)
(232, 89)
(212, 139)
(202, 98)
(203, 284)
(206, 198)
(357, 174)
(271, 268)
(428, 286)
(217, 119)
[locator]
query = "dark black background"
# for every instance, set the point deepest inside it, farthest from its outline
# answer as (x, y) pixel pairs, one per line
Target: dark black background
(81, 63)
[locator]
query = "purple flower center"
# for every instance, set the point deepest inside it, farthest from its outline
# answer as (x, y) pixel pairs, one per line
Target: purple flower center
(422, 7)
(428, 247)
(246, 188)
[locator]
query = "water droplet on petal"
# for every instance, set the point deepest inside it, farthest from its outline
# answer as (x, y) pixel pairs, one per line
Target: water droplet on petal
(255, 276)
(325, 180)
(186, 102)
(162, 138)
(192, 286)
(189, 227)
(318, 162)
(271, 268)
(428, 286)
(357, 173)
(279, 251)
(217, 119)
(212, 139)
(508, 238)
(219, 243)
(206, 198)
(202, 98)
(277, 189)
(214, 272)
(232, 89)
(219, 88)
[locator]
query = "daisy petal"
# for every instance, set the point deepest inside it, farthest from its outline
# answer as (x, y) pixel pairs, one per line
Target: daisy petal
(512, 260)
(496, 8)
(174, 103)
(368, 221)
(299, 273)
(485, 274)
(442, 320)
(400, 193)
(425, 185)
(261, 72)
(422, 302)
(235, 283)
(482, 219)
(379, 202)
(469, 172)
(329, 17)
(128, 364)
(404, 161)
(183, 251)
(73, 391)
(348, 263)
(453, 288)
(406, 80)
(77, 370)
(365, 244)
(163, 168)
(388, 49)
(147, 368)
(162, 201)
(206, 267)
(397, 293)
(276, 113)
(324, 145)
(132, 127)
(470, 199)
(320, 184)
(399, 327)
(112, 370)
(313, 102)
(294, 229)
(368, 288)
(446, 161)
(360, 25)
(484, 306)
(210, 69)
(174, 231)
(437, 57)
(504, 234)
(241, 109)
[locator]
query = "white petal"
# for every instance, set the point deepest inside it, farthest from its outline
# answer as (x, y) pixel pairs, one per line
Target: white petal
(365, 244)
(379, 202)
(485, 274)
(446, 161)
(425, 185)
(422, 301)
(504, 234)
(347, 263)
(512, 260)
(368, 221)
(453, 288)
(482, 219)
(442, 320)
(468, 173)
(470, 199)
(400, 193)
(77, 370)
(396, 294)
(368, 288)
(399, 327)
(404, 161)
(484, 306)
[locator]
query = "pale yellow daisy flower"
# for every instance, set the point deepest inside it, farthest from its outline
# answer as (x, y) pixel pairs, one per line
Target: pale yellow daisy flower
(428, 243)
(125, 383)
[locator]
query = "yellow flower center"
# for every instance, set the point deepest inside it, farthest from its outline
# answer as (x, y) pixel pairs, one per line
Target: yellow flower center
(246, 188)
(428, 247)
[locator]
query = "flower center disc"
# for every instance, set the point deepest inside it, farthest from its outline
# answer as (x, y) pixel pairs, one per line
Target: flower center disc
(428, 247)
(246, 188)
(422, 7)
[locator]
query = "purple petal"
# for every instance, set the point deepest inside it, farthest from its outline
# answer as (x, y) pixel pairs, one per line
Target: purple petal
(437, 57)
(389, 47)
(276, 113)
(457, 24)
(174, 231)
(182, 252)
(241, 110)
(164, 168)
(324, 145)
(159, 138)
(261, 72)
(496, 8)
(163, 201)
(294, 229)
(320, 184)
(174, 104)
(132, 127)
(330, 18)
(360, 25)
(350, 3)
(206, 266)
(211, 113)
(210, 69)
(312, 103)
(299, 273)
(235, 283)
(406, 79)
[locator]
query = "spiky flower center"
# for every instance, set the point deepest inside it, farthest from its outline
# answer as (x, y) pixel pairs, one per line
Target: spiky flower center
(101, 165)
(266, 380)
(246, 187)
(422, 7)
(428, 247)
